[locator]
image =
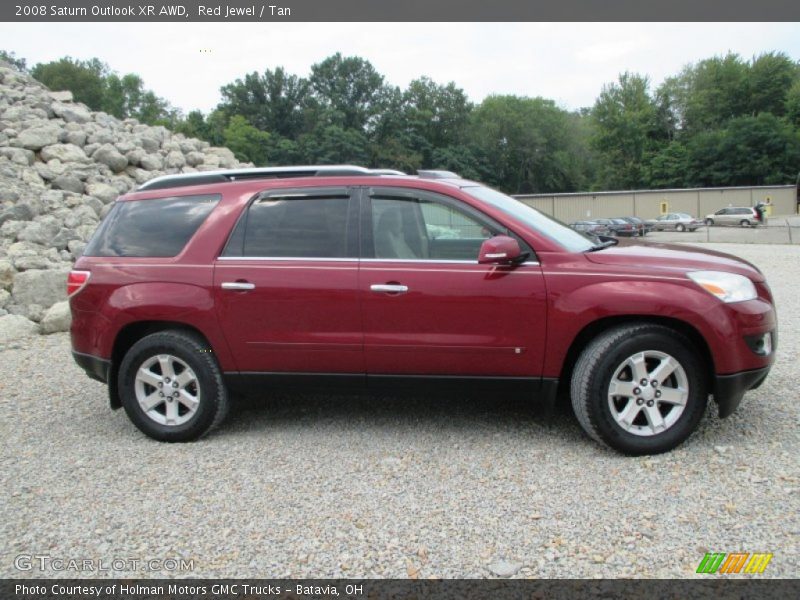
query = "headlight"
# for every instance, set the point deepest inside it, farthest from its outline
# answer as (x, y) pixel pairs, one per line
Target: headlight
(728, 287)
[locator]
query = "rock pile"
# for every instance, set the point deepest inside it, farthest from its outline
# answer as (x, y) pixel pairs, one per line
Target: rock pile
(61, 168)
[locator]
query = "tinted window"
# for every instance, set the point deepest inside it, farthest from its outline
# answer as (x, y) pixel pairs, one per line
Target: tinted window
(150, 228)
(302, 226)
(425, 226)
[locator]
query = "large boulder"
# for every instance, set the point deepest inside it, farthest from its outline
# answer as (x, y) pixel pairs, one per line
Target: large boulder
(57, 318)
(64, 153)
(14, 327)
(108, 155)
(36, 138)
(42, 287)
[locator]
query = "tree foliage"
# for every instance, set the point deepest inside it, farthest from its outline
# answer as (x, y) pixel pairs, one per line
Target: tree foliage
(721, 121)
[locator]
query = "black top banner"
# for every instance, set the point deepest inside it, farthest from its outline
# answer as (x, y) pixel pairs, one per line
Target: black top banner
(399, 10)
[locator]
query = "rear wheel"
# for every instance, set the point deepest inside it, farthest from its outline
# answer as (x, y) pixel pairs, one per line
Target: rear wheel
(680, 227)
(709, 222)
(639, 389)
(744, 223)
(171, 387)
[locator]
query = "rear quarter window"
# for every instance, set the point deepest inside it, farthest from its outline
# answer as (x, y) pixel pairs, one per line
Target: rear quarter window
(159, 227)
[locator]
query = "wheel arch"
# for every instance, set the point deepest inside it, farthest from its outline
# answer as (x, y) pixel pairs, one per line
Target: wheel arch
(597, 327)
(128, 336)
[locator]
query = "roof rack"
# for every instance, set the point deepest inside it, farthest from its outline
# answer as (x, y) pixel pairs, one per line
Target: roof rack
(435, 174)
(229, 175)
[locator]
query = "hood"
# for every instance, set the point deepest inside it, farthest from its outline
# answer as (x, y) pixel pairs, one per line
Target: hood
(674, 258)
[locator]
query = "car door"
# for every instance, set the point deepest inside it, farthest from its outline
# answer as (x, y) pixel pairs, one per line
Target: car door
(429, 307)
(286, 284)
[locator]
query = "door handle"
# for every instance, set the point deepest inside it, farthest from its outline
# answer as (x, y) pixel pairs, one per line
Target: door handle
(238, 285)
(389, 288)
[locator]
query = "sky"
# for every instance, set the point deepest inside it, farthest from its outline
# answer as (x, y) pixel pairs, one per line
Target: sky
(187, 63)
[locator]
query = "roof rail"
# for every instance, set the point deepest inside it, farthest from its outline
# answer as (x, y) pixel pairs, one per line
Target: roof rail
(434, 174)
(228, 175)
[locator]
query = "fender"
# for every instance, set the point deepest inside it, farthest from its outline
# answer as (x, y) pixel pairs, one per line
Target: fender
(572, 310)
(191, 305)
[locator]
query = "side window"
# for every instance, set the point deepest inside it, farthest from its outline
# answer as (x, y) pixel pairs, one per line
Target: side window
(160, 227)
(425, 226)
(293, 226)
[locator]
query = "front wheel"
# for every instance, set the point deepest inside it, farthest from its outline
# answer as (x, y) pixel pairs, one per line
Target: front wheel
(680, 227)
(639, 389)
(709, 222)
(171, 387)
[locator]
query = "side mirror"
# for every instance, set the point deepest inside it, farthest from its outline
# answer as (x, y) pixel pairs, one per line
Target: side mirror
(500, 250)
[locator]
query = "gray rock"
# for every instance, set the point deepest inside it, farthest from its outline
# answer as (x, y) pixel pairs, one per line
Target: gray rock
(43, 287)
(149, 144)
(32, 312)
(74, 137)
(64, 152)
(21, 211)
(195, 158)
(57, 318)
(63, 237)
(10, 229)
(7, 273)
(175, 160)
(4, 297)
(14, 327)
(18, 156)
(69, 183)
(152, 162)
(504, 568)
(61, 96)
(40, 232)
(75, 248)
(110, 156)
(104, 192)
(36, 138)
(72, 113)
(104, 136)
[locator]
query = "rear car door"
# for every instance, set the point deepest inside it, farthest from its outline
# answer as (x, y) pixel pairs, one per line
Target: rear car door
(286, 284)
(429, 307)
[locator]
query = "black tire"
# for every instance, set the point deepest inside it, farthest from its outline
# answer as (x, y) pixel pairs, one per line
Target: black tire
(709, 222)
(744, 223)
(680, 227)
(194, 352)
(592, 377)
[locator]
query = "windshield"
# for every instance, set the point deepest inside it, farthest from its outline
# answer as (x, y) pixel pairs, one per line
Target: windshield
(548, 226)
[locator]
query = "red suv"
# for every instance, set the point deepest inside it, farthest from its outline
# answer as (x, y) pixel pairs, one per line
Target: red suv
(200, 285)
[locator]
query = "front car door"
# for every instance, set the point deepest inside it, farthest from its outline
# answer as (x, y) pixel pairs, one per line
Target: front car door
(429, 307)
(286, 284)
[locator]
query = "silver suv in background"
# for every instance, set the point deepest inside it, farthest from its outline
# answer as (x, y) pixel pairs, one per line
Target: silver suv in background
(742, 216)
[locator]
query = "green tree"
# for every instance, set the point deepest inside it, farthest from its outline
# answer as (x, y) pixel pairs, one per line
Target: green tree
(20, 64)
(273, 102)
(347, 92)
(525, 145)
(770, 79)
(85, 79)
(792, 104)
(628, 128)
(246, 142)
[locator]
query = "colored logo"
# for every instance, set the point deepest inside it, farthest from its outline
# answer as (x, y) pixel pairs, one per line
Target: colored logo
(735, 562)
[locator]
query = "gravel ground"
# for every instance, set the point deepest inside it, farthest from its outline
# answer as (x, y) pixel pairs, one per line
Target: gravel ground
(322, 486)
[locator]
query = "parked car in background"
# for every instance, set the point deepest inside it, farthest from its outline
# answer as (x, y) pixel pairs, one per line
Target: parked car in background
(592, 227)
(616, 226)
(675, 222)
(742, 216)
(640, 225)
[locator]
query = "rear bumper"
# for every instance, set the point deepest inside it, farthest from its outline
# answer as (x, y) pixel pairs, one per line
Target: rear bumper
(730, 389)
(97, 368)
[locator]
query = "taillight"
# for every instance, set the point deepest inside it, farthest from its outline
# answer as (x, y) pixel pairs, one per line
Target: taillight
(76, 280)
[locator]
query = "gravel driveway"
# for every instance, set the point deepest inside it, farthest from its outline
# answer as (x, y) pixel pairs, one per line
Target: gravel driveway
(324, 486)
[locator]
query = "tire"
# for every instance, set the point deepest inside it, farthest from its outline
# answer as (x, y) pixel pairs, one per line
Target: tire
(709, 222)
(744, 223)
(680, 227)
(196, 404)
(605, 362)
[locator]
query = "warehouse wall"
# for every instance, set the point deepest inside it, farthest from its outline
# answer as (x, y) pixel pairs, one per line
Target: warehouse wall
(648, 204)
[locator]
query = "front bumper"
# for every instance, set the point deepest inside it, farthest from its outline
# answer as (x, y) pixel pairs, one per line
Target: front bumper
(730, 389)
